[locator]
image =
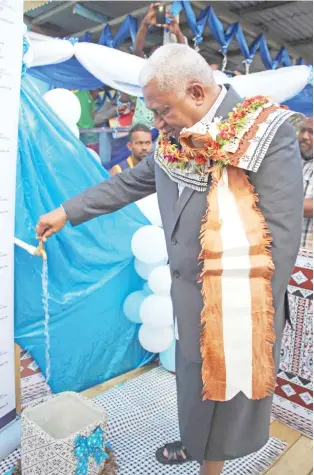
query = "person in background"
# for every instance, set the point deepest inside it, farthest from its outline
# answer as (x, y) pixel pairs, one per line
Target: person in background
(111, 110)
(88, 107)
(140, 145)
(142, 114)
(115, 113)
(150, 20)
(306, 149)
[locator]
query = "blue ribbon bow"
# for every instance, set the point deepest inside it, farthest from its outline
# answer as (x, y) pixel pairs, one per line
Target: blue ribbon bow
(86, 447)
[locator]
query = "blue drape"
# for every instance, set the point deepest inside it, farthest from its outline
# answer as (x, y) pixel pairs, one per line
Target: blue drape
(233, 31)
(91, 268)
(72, 75)
(127, 29)
(69, 75)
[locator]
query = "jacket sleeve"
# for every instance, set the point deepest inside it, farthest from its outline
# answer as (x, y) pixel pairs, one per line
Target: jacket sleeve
(279, 185)
(113, 194)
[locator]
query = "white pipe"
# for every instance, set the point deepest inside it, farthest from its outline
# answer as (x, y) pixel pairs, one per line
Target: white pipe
(25, 246)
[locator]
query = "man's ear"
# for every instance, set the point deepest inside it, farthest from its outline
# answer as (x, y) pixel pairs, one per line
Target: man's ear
(197, 93)
(129, 145)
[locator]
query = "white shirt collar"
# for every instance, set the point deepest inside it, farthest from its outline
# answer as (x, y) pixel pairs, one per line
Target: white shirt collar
(200, 127)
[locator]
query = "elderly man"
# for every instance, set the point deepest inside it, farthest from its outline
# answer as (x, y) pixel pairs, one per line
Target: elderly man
(230, 194)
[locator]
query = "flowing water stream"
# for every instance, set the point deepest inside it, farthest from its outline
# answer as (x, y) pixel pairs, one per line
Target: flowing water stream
(45, 300)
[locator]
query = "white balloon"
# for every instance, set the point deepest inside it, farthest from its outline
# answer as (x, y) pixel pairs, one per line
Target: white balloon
(149, 245)
(160, 281)
(144, 270)
(65, 104)
(157, 311)
(150, 209)
(75, 130)
(155, 340)
(94, 155)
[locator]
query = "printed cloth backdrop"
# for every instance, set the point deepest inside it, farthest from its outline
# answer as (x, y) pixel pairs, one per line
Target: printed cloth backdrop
(293, 402)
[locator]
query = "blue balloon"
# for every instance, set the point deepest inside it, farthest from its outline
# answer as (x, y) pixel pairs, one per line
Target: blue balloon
(132, 304)
(167, 357)
(146, 289)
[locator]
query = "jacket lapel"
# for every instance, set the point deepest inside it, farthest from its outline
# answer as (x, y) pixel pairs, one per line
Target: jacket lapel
(181, 202)
(231, 100)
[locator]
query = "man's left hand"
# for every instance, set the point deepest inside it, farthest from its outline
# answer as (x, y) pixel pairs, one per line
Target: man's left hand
(173, 27)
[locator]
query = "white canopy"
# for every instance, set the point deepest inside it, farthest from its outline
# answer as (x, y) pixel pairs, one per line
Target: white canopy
(120, 70)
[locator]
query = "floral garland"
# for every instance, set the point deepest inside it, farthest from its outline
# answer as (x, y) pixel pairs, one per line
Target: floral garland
(222, 141)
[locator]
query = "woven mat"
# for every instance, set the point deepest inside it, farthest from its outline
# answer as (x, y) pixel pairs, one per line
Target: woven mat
(142, 416)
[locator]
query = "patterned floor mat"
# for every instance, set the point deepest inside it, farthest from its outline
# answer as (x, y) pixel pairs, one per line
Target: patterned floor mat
(142, 416)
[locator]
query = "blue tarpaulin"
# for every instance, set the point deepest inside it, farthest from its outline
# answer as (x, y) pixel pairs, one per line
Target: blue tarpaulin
(91, 267)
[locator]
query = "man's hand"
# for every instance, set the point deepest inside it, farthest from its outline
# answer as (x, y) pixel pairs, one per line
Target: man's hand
(173, 27)
(51, 223)
(150, 18)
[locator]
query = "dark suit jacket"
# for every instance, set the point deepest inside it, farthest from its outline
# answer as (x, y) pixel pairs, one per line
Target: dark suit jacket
(278, 183)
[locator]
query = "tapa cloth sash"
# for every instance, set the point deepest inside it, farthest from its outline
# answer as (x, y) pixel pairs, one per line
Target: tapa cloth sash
(250, 160)
(237, 319)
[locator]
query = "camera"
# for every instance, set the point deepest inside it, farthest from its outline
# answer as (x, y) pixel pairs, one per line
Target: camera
(160, 15)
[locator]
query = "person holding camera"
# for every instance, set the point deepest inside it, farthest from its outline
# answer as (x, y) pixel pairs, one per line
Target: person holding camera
(152, 19)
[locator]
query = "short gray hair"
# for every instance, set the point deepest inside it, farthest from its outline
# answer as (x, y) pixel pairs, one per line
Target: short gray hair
(174, 66)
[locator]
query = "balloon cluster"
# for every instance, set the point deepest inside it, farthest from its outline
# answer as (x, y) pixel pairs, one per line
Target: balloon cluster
(67, 107)
(152, 306)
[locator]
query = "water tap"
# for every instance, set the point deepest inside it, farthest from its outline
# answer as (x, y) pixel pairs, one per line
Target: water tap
(40, 251)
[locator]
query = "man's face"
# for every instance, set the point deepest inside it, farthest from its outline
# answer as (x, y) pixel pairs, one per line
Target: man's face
(172, 112)
(306, 140)
(141, 144)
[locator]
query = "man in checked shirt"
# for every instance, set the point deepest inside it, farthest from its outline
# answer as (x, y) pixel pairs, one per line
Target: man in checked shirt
(306, 148)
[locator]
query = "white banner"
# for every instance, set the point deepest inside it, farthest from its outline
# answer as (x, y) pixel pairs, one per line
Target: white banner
(11, 50)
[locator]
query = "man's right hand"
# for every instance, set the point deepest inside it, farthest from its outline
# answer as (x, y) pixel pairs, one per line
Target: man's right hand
(150, 18)
(51, 223)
